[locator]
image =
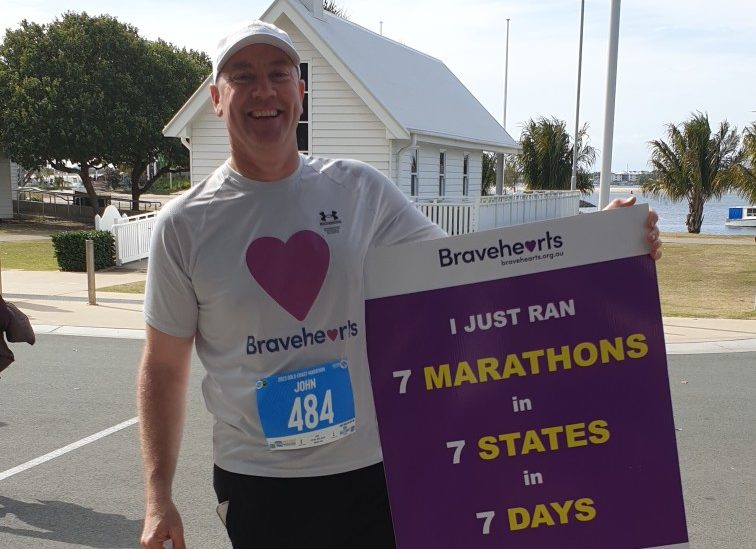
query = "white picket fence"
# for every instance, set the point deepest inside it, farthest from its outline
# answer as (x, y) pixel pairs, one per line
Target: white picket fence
(132, 234)
(453, 217)
(457, 216)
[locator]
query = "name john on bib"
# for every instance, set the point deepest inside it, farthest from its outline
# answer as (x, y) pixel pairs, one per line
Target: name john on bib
(306, 407)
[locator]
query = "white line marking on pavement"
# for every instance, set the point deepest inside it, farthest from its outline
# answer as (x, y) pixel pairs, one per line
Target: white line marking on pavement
(73, 446)
(89, 331)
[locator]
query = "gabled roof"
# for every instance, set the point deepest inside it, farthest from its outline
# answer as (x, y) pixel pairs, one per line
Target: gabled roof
(409, 91)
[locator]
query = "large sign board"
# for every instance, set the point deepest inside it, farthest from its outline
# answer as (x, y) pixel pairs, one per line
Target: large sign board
(521, 387)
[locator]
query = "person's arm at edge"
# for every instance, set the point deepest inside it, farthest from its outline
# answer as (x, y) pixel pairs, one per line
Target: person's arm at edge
(161, 400)
(652, 231)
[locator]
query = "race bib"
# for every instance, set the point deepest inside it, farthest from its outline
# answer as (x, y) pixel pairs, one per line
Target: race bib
(307, 407)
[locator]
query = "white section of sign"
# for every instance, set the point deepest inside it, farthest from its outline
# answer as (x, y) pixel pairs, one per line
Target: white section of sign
(507, 252)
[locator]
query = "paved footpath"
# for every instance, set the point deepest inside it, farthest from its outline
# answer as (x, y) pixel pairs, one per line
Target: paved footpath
(58, 303)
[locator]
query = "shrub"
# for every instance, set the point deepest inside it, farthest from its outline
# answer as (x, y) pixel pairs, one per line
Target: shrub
(70, 249)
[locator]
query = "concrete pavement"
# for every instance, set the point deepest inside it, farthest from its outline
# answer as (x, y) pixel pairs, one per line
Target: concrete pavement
(57, 303)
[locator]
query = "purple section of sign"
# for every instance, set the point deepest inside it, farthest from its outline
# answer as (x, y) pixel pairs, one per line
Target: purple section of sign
(617, 486)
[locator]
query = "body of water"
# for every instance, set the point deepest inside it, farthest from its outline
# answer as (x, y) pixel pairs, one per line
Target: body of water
(672, 216)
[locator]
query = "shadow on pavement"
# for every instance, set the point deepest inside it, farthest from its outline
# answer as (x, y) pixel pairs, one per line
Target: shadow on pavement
(71, 523)
(24, 305)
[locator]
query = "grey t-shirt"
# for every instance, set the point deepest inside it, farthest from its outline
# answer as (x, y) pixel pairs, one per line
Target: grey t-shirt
(215, 272)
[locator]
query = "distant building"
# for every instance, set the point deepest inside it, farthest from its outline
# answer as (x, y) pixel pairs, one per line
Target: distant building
(628, 178)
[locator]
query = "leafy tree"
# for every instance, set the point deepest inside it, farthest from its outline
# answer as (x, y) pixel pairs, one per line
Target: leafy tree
(546, 158)
(694, 165)
(169, 78)
(746, 183)
(488, 186)
(642, 178)
(67, 91)
(83, 92)
(511, 172)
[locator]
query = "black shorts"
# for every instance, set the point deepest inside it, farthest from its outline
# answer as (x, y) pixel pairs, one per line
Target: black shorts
(344, 511)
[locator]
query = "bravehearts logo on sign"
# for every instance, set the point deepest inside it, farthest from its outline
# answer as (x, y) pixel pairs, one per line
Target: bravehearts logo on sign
(292, 274)
(546, 247)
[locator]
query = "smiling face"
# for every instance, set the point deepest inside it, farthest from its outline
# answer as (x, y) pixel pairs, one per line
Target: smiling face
(259, 96)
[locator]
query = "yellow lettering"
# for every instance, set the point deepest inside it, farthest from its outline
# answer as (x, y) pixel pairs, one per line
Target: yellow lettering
(541, 516)
(487, 367)
(599, 431)
(464, 374)
(562, 510)
(552, 433)
(532, 442)
(553, 358)
(637, 344)
(617, 350)
(489, 448)
(509, 438)
(437, 379)
(575, 433)
(580, 360)
(533, 357)
(585, 510)
(519, 518)
(513, 367)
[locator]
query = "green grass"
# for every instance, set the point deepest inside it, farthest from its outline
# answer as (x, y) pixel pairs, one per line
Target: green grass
(163, 185)
(28, 255)
(695, 280)
(708, 280)
(130, 288)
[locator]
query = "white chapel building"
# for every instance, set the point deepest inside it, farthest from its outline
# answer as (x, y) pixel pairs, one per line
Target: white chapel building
(368, 98)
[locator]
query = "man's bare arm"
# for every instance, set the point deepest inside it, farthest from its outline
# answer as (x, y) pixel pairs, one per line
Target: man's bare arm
(161, 400)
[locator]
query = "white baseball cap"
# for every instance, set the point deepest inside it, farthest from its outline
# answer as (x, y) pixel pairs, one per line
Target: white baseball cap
(257, 32)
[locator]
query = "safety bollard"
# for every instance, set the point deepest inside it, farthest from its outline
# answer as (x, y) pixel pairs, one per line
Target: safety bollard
(91, 272)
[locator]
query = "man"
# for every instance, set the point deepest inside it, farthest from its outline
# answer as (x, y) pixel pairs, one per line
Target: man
(261, 265)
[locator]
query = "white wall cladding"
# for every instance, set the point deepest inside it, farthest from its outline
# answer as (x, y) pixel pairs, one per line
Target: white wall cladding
(209, 142)
(476, 172)
(343, 126)
(428, 161)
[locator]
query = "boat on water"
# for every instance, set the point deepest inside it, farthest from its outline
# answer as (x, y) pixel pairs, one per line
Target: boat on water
(741, 216)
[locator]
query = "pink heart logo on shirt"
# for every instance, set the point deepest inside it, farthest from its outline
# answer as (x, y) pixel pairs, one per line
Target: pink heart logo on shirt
(292, 273)
(332, 334)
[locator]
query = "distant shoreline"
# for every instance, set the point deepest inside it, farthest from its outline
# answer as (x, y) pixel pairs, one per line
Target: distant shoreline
(626, 189)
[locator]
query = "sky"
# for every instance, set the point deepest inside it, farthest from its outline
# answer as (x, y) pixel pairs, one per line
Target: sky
(676, 57)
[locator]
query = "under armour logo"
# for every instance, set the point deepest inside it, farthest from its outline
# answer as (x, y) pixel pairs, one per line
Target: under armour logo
(333, 216)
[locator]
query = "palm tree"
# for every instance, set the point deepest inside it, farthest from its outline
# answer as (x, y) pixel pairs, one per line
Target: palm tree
(546, 157)
(694, 165)
(746, 185)
(488, 186)
(511, 173)
(334, 8)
